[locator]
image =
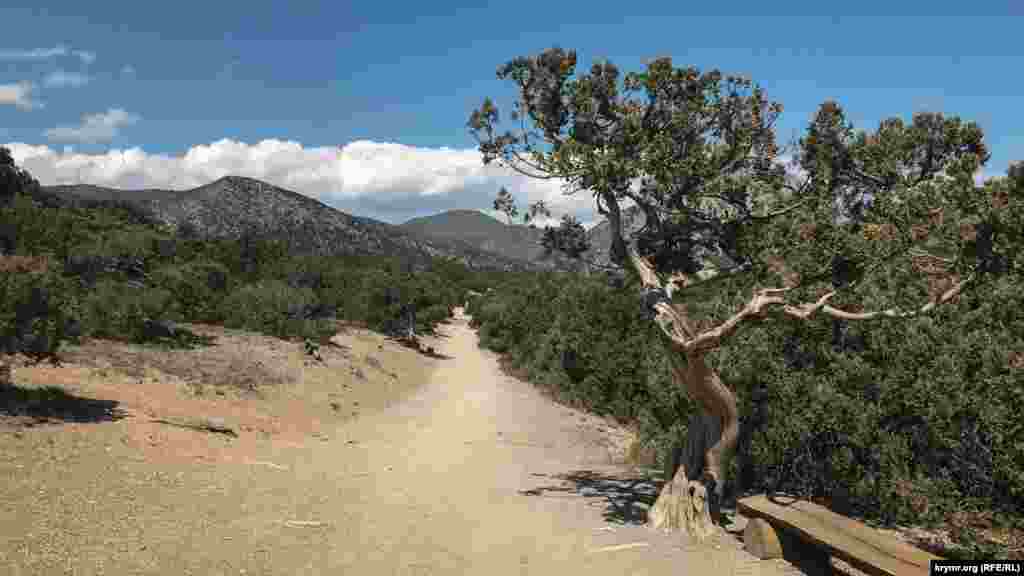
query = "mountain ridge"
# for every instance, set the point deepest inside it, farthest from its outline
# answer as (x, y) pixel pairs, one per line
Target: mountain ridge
(519, 241)
(233, 205)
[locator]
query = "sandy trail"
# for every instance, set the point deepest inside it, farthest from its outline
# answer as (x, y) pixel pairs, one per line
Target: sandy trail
(462, 477)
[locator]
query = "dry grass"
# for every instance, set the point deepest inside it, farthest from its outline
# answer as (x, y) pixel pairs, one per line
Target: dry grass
(239, 360)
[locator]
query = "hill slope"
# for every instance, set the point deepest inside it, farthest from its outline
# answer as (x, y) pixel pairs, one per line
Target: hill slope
(482, 231)
(519, 242)
(232, 205)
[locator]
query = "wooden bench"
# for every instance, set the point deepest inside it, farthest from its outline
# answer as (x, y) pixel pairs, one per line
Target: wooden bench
(776, 522)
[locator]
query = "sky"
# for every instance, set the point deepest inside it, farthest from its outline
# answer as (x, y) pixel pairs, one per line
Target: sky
(363, 105)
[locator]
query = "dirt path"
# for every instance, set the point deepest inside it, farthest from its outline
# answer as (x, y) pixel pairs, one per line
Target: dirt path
(473, 472)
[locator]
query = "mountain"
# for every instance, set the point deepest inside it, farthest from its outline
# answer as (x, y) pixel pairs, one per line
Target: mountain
(232, 205)
(600, 236)
(633, 219)
(486, 233)
(518, 242)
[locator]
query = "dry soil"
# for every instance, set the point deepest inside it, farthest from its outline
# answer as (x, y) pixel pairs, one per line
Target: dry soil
(377, 460)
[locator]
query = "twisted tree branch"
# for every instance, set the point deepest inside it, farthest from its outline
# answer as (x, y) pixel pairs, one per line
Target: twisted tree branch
(676, 326)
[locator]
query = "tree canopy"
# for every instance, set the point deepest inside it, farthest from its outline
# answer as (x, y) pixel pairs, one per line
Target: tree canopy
(697, 153)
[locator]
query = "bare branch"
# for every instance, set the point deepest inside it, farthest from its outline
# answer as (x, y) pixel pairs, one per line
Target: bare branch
(675, 325)
(680, 282)
(895, 313)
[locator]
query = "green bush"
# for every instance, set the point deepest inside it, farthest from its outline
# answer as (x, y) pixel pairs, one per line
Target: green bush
(38, 312)
(199, 288)
(894, 428)
(119, 311)
(275, 308)
(431, 316)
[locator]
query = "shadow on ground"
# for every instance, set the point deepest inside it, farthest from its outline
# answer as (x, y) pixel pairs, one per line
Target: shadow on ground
(416, 346)
(52, 403)
(627, 496)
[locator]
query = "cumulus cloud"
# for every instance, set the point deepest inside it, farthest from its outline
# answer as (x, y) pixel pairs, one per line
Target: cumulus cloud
(386, 181)
(62, 78)
(389, 182)
(101, 127)
(19, 95)
(34, 54)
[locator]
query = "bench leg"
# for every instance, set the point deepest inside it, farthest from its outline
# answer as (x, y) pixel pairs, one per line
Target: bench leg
(762, 540)
(810, 559)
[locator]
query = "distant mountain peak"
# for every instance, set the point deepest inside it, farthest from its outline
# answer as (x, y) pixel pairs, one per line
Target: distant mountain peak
(486, 232)
(241, 180)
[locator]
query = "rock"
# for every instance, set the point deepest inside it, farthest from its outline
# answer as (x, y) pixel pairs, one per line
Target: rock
(165, 247)
(132, 267)
(216, 280)
(34, 344)
(217, 424)
(73, 328)
(156, 329)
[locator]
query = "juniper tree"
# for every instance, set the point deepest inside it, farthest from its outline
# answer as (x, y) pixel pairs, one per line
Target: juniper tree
(505, 204)
(696, 152)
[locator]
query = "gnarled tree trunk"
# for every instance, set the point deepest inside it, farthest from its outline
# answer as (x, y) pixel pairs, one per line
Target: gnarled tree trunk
(690, 501)
(691, 498)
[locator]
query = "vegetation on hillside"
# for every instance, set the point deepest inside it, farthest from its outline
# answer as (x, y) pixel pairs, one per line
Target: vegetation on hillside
(104, 270)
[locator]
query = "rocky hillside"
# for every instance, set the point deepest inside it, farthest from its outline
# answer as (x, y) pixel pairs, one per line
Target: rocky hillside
(600, 236)
(486, 233)
(516, 241)
(233, 205)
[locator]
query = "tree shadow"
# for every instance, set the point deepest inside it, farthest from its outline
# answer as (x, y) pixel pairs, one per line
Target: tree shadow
(52, 403)
(628, 496)
(431, 353)
(415, 345)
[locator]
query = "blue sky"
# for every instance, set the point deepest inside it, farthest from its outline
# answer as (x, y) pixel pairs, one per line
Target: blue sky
(363, 104)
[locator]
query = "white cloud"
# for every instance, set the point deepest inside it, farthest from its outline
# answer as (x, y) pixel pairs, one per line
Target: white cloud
(86, 56)
(127, 70)
(94, 128)
(386, 181)
(390, 182)
(19, 95)
(34, 54)
(61, 78)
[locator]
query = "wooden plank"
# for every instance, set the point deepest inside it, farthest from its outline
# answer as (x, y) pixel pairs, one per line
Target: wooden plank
(855, 542)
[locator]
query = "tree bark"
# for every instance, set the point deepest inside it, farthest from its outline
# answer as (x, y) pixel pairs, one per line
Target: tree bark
(691, 498)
